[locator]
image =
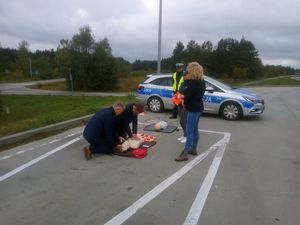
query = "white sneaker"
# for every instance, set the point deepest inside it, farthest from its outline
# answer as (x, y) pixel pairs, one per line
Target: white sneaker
(179, 139)
(183, 140)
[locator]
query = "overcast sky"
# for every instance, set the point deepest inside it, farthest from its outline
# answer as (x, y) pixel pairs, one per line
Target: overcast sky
(131, 26)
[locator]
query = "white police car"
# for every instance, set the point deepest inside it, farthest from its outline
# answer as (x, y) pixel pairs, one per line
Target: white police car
(231, 103)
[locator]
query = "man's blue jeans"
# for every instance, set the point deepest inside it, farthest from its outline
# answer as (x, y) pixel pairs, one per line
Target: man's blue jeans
(192, 131)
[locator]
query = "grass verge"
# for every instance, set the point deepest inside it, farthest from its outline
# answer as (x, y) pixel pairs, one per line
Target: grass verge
(21, 113)
(277, 81)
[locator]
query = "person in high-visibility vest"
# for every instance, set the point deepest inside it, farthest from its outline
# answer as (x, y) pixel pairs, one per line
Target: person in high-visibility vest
(177, 80)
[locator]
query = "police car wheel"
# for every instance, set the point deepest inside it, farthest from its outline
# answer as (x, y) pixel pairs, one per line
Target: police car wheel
(231, 111)
(155, 104)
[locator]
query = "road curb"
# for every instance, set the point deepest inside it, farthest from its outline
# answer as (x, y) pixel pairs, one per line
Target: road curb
(53, 127)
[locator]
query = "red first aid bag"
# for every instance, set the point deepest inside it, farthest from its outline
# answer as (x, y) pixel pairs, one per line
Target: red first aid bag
(139, 153)
(177, 98)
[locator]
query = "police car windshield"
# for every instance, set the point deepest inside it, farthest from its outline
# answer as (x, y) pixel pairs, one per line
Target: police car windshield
(218, 83)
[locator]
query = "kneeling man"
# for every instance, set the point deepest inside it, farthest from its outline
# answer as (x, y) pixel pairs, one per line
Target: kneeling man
(100, 132)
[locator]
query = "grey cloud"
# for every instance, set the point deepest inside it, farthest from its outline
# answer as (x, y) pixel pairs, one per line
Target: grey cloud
(132, 26)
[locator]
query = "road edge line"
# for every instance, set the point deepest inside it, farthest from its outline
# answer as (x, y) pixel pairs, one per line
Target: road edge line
(34, 161)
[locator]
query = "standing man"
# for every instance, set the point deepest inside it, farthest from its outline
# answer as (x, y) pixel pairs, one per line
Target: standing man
(130, 116)
(177, 80)
(100, 133)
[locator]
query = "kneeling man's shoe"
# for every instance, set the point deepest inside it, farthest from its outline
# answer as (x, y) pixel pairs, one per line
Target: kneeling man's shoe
(87, 153)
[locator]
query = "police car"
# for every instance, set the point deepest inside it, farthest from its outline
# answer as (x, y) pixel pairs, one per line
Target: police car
(219, 98)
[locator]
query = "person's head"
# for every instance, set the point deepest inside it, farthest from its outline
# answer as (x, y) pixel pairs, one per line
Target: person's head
(137, 108)
(179, 67)
(195, 71)
(184, 73)
(118, 108)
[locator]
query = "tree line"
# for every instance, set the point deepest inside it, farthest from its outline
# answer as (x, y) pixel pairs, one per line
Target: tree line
(89, 64)
(230, 58)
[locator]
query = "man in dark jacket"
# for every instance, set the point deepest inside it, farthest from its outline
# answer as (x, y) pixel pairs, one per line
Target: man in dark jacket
(130, 116)
(100, 133)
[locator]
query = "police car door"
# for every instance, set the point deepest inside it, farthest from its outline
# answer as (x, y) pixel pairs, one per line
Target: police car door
(211, 100)
(163, 88)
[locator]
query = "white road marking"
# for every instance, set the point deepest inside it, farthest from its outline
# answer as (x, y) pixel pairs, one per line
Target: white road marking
(41, 145)
(6, 157)
(53, 141)
(131, 210)
(20, 152)
(198, 204)
(44, 144)
(34, 161)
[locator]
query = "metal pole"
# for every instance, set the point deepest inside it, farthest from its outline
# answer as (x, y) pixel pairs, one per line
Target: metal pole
(159, 39)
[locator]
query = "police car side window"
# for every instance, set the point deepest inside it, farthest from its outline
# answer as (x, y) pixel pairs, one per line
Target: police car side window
(164, 81)
(216, 89)
(169, 81)
(156, 81)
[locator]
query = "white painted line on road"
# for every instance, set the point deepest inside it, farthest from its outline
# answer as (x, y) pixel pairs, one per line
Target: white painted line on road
(53, 141)
(34, 161)
(131, 210)
(7, 157)
(20, 152)
(198, 204)
(41, 145)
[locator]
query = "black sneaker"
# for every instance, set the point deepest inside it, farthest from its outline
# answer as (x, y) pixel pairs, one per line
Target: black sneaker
(173, 117)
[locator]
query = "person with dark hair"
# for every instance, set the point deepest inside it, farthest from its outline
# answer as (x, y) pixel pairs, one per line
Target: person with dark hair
(130, 116)
(100, 133)
(177, 80)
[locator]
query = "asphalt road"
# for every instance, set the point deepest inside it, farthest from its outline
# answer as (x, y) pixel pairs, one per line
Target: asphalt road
(247, 173)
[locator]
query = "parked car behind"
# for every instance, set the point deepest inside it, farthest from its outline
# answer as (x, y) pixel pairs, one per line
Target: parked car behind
(219, 98)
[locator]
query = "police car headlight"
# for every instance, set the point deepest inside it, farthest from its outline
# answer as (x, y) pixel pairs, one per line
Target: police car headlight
(254, 101)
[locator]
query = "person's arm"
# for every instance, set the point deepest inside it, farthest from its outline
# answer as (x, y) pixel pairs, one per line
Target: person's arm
(127, 127)
(134, 124)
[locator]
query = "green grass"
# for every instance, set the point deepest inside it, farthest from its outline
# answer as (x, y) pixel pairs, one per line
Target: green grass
(278, 81)
(21, 113)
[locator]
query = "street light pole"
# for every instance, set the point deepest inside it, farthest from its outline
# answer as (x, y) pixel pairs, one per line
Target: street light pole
(159, 39)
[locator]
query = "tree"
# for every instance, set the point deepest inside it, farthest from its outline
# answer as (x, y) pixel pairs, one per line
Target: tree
(178, 53)
(192, 51)
(248, 58)
(84, 41)
(240, 73)
(231, 54)
(22, 63)
(63, 57)
(7, 59)
(91, 63)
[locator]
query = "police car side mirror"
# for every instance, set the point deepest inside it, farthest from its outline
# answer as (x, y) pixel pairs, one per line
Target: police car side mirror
(210, 89)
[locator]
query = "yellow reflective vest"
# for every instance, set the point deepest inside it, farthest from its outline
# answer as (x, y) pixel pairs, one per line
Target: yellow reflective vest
(175, 82)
